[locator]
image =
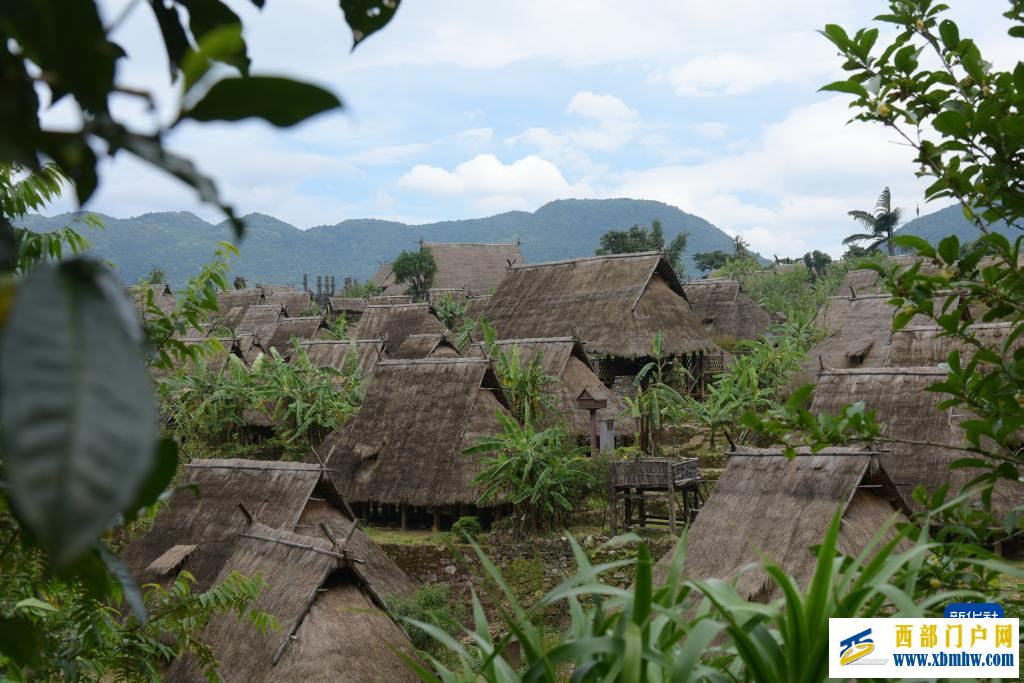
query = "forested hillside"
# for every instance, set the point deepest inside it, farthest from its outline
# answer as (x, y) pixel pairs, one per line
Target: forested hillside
(275, 251)
(949, 221)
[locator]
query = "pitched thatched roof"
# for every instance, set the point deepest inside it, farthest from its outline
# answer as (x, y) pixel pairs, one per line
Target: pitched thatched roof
(301, 329)
(348, 305)
(613, 304)
(926, 345)
(234, 302)
(405, 444)
(564, 358)
(416, 346)
(725, 310)
(906, 410)
(391, 300)
(471, 268)
(270, 290)
(858, 332)
(294, 303)
(395, 323)
(163, 298)
(261, 320)
(209, 518)
(331, 353)
(215, 361)
(281, 495)
(766, 504)
(331, 627)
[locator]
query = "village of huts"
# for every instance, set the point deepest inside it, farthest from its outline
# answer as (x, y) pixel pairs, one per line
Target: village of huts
(346, 446)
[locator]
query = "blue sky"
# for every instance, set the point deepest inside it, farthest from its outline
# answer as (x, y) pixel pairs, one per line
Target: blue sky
(466, 109)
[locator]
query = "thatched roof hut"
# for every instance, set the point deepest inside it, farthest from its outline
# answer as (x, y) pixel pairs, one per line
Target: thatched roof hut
(858, 332)
(907, 411)
(765, 504)
(471, 268)
(332, 628)
(927, 346)
(163, 298)
(196, 529)
(295, 304)
(300, 329)
(390, 300)
(261, 320)
(725, 310)
(416, 346)
(564, 358)
(216, 360)
(405, 444)
(331, 353)
(350, 306)
(395, 323)
(613, 304)
(234, 302)
(270, 290)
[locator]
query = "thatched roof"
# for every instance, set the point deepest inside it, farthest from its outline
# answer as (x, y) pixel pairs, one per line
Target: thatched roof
(613, 304)
(858, 332)
(725, 310)
(209, 518)
(294, 303)
(234, 302)
(471, 268)
(766, 504)
(332, 629)
(261, 320)
(270, 290)
(395, 323)
(348, 305)
(163, 298)
(405, 444)
(282, 495)
(331, 353)
(390, 300)
(906, 410)
(301, 329)
(564, 358)
(215, 361)
(416, 346)
(926, 345)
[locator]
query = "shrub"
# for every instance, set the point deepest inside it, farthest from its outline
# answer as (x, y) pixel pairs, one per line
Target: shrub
(433, 605)
(466, 528)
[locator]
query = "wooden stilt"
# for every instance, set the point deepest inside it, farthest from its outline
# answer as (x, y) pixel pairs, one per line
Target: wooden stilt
(404, 515)
(672, 505)
(642, 509)
(613, 505)
(437, 519)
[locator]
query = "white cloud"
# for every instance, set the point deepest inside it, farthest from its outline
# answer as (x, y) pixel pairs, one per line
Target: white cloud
(493, 185)
(601, 107)
(713, 130)
(791, 190)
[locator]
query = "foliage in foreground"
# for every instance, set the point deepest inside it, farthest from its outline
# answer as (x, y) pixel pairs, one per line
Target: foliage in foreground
(702, 630)
(433, 604)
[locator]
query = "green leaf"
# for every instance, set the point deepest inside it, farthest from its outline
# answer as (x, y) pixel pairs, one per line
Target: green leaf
(130, 589)
(918, 244)
(951, 123)
(949, 249)
(366, 17)
(165, 465)
(77, 405)
(280, 101)
(950, 34)
(852, 87)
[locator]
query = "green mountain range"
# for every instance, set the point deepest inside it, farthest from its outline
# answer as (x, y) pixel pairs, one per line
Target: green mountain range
(273, 251)
(950, 221)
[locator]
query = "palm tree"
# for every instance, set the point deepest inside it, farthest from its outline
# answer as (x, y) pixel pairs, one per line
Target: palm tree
(882, 223)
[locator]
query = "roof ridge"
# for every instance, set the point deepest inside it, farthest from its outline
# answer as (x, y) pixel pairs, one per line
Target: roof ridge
(638, 254)
(476, 244)
(908, 370)
(432, 361)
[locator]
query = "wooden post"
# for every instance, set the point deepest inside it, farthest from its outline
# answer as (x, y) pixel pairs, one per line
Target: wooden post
(642, 509)
(613, 510)
(437, 519)
(404, 513)
(593, 434)
(628, 505)
(671, 503)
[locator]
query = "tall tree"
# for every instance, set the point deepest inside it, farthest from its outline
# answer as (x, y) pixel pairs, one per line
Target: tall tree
(416, 269)
(882, 223)
(637, 239)
(711, 260)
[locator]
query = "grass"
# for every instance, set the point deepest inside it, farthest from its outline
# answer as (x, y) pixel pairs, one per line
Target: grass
(407, 537)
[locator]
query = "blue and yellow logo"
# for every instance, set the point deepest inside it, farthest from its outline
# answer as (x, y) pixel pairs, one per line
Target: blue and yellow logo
(855, 647)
